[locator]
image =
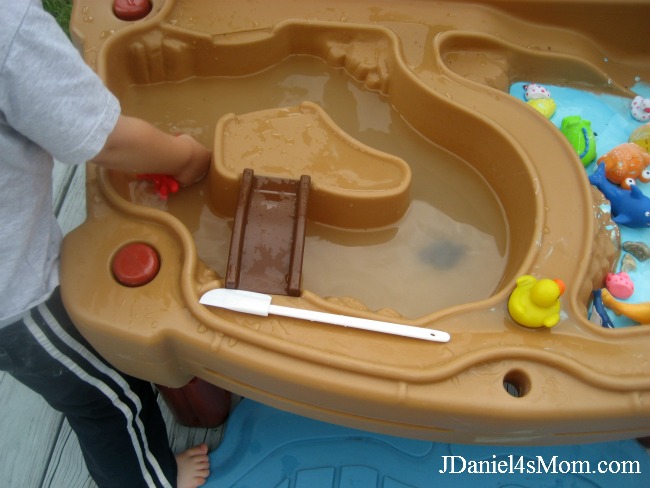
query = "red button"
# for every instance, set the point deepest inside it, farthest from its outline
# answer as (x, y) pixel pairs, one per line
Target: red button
(131, 9)
(136, 264)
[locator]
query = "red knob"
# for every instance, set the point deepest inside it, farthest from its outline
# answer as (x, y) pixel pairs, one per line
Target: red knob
(131, 9)
(136, 264)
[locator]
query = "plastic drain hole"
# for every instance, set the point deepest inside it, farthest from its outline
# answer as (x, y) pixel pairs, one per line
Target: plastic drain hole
(516, 383)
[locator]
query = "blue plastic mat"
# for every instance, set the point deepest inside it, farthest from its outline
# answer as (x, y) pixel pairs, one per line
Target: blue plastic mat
(268, 448)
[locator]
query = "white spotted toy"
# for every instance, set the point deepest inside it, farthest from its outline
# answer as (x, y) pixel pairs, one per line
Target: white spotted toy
(640, 109)
(536, 92)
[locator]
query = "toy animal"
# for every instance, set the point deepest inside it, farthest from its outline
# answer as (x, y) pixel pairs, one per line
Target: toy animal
(579, 133)
(536, 303)
(533, 91)
(626, 163)
(630, 208)
(639, 312)
(640, 109)
(620, 285)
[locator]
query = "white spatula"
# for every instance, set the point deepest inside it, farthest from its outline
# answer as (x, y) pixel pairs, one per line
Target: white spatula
(260, 304)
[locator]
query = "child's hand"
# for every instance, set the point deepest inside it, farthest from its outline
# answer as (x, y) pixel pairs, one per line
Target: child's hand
(137, 146)
(197, 164)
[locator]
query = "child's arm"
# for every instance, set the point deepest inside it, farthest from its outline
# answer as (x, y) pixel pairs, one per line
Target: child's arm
(139, 147)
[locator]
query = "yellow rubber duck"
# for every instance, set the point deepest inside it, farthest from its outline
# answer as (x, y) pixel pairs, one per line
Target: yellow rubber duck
(536, 303)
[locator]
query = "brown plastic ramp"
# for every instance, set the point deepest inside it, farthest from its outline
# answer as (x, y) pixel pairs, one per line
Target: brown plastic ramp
(268, 236)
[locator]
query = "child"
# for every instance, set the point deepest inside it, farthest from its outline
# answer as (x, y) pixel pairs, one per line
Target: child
(53, 105)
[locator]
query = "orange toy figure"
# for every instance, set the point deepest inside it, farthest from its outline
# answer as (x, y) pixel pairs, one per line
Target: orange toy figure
(626, 163)
(639, 312)
(536, 303)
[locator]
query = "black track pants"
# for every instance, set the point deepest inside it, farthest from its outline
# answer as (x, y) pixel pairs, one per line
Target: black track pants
(116, 418)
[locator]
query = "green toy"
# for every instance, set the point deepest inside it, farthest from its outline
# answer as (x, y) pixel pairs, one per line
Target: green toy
(581, 137)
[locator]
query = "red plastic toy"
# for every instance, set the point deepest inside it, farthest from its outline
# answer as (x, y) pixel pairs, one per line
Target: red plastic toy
(163, 184)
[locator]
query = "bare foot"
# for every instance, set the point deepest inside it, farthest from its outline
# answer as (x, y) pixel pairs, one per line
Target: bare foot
(193, 467)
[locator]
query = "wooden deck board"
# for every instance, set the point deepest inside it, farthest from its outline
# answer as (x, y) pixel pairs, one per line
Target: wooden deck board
(66, 466)
(40, 449)
(29, 432)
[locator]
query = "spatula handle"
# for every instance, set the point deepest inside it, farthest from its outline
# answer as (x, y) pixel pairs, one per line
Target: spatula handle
(359, 323)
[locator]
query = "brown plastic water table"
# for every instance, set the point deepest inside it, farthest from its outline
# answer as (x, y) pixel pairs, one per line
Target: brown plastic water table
(431, 190)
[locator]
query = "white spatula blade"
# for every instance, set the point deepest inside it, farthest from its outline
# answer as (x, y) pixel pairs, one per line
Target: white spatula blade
(238, 301)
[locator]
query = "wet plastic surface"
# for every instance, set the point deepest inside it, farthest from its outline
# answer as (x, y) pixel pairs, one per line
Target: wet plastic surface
(446, 69)
(268, 238)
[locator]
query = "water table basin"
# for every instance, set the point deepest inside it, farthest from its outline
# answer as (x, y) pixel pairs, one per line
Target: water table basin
(432, 191)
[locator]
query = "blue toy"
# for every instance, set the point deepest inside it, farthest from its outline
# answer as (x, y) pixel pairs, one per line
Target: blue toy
(629, 207)
(267, 448)
(599, 315)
